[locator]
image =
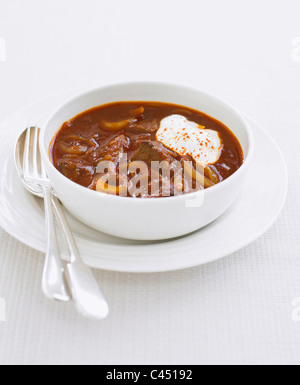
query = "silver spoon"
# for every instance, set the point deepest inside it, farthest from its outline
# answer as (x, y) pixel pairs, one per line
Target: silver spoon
(87, 296)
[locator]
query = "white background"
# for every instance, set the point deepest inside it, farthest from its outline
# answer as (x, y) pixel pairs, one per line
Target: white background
(235, 311)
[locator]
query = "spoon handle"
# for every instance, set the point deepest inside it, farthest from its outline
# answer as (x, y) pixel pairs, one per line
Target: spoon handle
(88, 298)
(53, 283)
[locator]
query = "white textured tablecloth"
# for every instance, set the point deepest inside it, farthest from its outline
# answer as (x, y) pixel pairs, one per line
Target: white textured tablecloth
(234, 311)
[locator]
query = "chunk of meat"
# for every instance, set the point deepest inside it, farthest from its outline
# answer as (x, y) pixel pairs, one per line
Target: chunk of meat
(142, 126)
(112, 150)
(153, 151)
(76, 169)
(138, 140)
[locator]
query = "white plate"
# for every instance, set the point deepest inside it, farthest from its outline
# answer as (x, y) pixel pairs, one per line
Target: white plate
(257, 208)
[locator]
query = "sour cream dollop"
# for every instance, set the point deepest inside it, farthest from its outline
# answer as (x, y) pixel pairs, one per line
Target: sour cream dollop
(189, 138)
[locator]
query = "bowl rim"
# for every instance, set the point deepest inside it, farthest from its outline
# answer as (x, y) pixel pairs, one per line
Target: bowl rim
(79, 188)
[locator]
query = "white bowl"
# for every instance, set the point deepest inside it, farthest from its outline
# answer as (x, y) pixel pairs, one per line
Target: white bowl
(148, 219)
